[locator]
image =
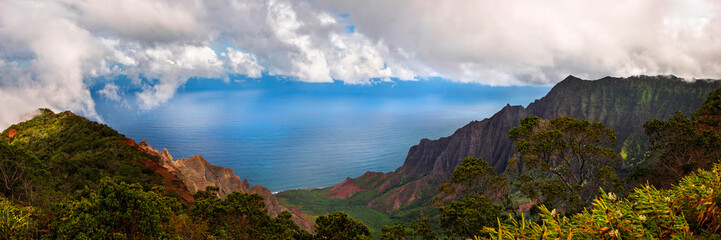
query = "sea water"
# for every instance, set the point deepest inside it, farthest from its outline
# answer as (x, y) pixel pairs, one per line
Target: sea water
(289, 135)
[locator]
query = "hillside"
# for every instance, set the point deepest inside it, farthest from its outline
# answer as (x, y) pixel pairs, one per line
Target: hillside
(61, 153)
(70, 152)
(623, 104)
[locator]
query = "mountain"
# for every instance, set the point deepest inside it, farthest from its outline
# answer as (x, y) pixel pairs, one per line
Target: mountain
(196, 174)
(623, 104)
(64, 152)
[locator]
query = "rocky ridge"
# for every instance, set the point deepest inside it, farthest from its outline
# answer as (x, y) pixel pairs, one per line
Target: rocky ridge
(196, 174)
(623, 104)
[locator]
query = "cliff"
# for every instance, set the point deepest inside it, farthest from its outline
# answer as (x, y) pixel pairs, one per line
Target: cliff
(623, 104)
(196, 173)
(69, 152)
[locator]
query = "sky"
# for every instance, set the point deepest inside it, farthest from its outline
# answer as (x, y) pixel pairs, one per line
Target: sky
(52, 52)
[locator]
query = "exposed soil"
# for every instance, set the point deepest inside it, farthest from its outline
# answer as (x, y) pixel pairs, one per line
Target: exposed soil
(174, 184)
(12, 132)
(303, 219)
(344, 190)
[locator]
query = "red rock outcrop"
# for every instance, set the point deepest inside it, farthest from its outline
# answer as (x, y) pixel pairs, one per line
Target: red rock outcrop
(12, 132)
(200, 174)
(196, 174)
(344, 189)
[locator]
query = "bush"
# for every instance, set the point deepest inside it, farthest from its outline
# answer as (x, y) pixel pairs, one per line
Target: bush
(16, 222)
(688, 209)
(338, 226)
(121, 210)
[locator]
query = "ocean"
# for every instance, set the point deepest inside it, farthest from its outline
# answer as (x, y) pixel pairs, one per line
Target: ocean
(287, 135)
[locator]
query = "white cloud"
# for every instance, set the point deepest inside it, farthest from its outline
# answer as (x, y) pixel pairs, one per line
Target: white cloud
(172, 66)
(243, 63)
(539, 42)
(62, 54)
(111, 91)
(51, 50)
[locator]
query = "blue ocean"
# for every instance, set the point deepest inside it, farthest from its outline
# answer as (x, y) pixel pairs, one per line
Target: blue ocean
(284, 134)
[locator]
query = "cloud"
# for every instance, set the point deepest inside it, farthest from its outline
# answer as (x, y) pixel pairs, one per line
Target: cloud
(50, 51)
(171, 67)
(243, 63)
(539, 42)
(111, 91)
(59, 54)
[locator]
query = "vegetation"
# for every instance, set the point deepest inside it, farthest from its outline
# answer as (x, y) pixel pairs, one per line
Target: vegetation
(685, 211)
(86, 181)
(467, 217)
(565, 160)
(241, 216)
(338, 226)
(115, 210)
(465, 201)
(125, 211)
(62, 176)
(681, 145)
(418, 229)
(17, 222)
(315, 203)
(55, 154)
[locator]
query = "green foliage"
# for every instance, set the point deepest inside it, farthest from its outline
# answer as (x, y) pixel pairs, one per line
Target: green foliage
(338, 226)
(678, 147)
(681, 145)
(17, 222)
(466, 206)
(566, 160)
(468, 217)
(709, 114)
(119, 210)
(18, 171)
(316, 202)
(125, 211)
(76, 170)
(241, 216)
(418, 229)
(67, 153)
(686, 210)
(474, 176)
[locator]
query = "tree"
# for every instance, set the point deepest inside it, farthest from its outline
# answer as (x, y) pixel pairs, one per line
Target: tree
(474, 176)
(678, 147)
(339, 226)
(687, 210)
(418, 229)
(468, 217)
(114, 210)
(241, 216)
(17, 222)
(565, 160)
(471, 207)
(16, 168)
(682, 145)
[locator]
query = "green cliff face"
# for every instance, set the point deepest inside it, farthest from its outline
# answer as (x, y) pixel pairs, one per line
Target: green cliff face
(622, 104)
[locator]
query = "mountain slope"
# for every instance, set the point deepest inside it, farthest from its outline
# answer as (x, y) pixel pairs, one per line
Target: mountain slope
(73, 152)
(623, 104)
(52, 155)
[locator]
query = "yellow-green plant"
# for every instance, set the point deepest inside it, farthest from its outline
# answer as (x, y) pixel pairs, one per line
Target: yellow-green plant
(16, 222)
(690, 208)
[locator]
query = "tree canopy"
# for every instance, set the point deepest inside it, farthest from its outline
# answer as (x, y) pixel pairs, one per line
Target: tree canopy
(339, 226)
(565, 160)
